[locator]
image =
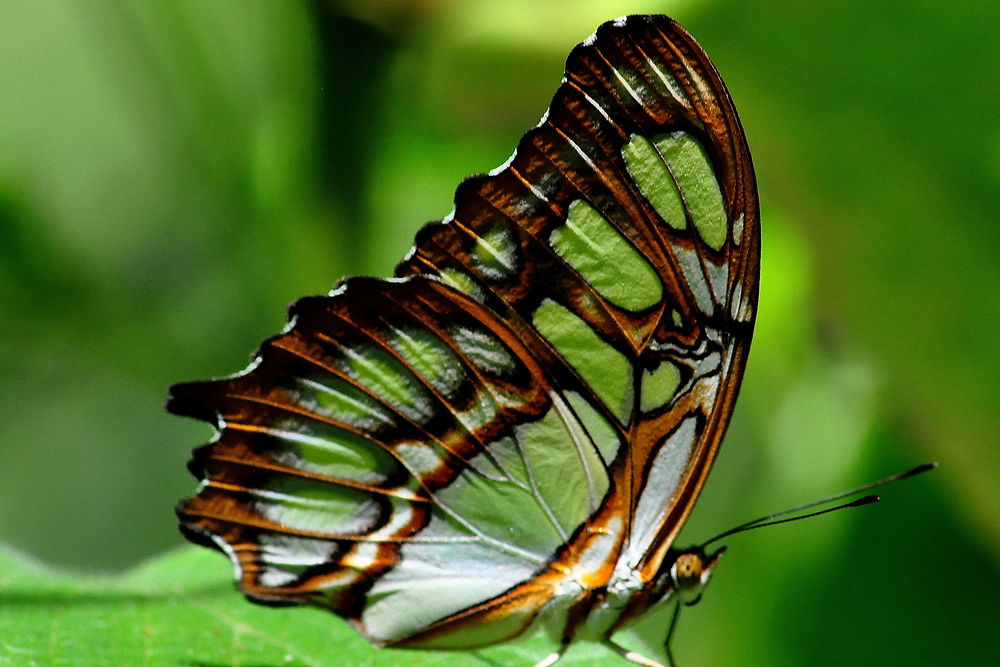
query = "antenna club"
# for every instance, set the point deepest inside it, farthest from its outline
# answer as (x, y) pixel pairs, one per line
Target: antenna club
(867, 500)
(923, 467)
(801, 511)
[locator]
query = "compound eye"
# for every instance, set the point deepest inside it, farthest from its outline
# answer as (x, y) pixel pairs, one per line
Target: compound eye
(687, 571)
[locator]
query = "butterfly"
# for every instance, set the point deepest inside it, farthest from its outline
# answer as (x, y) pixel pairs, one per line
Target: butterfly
(510, 433)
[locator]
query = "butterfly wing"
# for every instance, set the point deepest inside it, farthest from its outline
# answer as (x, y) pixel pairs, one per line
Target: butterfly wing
(625, 231)
(368, 460)
(556, 361)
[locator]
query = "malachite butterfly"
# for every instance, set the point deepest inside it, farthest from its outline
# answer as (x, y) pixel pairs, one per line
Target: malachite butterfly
(510, 433)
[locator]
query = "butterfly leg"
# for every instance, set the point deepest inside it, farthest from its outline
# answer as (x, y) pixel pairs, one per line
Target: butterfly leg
(551, 658)
(631, 656)
(670, 634)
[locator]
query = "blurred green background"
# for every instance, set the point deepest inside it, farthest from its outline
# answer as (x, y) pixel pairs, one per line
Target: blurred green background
(172, 174)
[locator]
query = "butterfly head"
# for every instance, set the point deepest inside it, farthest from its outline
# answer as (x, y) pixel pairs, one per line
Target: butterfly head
(690, 572)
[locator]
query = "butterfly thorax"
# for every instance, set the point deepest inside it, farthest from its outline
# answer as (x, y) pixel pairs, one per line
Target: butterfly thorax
(578, 612)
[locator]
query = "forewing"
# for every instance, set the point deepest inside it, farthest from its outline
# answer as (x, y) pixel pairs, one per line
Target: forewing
(623, 234)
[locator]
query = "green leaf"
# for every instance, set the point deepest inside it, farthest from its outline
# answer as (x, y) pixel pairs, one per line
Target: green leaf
(182, 609)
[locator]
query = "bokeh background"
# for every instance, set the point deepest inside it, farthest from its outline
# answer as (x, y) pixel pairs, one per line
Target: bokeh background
(172, 174)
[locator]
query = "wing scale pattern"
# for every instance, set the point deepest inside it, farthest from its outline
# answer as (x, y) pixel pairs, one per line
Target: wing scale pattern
(526, 414)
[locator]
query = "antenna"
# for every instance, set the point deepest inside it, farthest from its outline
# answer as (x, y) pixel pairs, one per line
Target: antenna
(775, 519)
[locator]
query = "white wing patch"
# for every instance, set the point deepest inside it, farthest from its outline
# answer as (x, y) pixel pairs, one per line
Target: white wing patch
(657, 495)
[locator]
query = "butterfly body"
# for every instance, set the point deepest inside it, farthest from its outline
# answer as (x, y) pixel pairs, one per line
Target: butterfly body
(510, 433)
